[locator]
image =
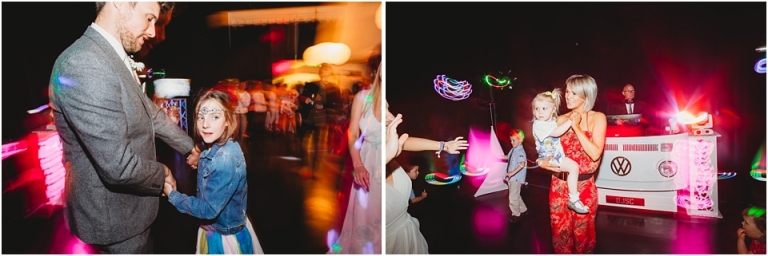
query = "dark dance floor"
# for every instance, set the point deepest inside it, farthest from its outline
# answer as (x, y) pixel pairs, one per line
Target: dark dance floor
(292, 212)
(453, 221)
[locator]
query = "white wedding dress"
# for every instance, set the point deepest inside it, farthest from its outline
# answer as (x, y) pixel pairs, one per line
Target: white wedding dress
(403, 235)
(361, 231)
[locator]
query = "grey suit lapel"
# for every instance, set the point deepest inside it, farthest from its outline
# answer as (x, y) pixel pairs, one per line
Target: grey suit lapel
(116, 63)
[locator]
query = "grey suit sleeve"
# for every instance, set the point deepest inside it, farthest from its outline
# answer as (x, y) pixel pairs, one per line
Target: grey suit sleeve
(88, 94)
(169, 132)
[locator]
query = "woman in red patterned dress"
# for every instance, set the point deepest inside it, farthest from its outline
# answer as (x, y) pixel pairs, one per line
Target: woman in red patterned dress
(571, 232)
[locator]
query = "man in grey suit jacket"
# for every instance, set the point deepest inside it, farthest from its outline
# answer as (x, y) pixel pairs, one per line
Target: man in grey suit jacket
(108, 127)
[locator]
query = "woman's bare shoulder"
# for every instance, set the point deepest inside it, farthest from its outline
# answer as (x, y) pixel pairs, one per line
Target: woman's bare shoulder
(362, 93)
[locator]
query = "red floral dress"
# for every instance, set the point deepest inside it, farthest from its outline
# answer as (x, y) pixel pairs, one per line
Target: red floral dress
(756, 247)
(574, 233)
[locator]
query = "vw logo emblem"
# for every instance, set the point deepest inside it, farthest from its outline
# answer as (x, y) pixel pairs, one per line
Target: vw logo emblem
(621, 166)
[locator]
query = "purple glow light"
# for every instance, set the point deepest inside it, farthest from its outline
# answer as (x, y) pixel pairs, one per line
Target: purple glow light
(38, 109)
(452, 89)
(362, 197)
(331, 238)
(65, 81)
(760, 66)
(368, 249)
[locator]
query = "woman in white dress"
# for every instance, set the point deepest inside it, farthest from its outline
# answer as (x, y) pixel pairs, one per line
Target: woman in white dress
(403, 234)
(361, 230)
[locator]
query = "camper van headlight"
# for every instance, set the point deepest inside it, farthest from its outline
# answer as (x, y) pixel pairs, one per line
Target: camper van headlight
(667, 168)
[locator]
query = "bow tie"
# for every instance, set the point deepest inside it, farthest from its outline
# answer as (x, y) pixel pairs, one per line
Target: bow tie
(629, 101)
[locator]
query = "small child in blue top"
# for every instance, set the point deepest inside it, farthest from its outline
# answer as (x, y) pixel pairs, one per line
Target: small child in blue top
(222, 189)
(547, 134)
(413, 173)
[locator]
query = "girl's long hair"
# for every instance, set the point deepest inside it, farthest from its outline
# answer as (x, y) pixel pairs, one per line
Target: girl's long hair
(224, 98)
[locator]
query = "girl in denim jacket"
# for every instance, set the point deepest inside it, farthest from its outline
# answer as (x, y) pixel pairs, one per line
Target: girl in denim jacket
(222, 190)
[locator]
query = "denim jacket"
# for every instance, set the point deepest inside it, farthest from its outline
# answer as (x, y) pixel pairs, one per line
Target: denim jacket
(222, 190)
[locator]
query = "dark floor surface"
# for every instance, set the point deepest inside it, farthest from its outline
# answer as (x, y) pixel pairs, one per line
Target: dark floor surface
(453, 221)
(294, 213)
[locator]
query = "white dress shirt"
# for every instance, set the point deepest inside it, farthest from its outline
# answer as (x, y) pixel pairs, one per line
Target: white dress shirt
(118, 48)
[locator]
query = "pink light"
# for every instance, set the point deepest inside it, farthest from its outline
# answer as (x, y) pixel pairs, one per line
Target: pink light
(274, 36)
(79, 247)
(687, 118)
(281, 67)
(50, 154)
(476, 182)
(478, 151)
(13, 148)
(489, 223)
(479, 148)
(693, 239)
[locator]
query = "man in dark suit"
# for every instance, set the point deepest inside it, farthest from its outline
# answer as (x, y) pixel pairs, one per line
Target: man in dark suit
(108, 127)
(629, 105)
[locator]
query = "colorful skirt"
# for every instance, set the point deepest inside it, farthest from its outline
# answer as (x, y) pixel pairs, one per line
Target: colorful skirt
(243, 242)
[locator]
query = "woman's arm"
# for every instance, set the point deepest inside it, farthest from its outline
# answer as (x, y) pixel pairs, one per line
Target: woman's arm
(394, 144)
(353, 134)
(593, 147)
(561, 129)
(421, 144)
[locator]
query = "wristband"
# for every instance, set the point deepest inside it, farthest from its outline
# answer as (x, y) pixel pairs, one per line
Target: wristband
(442, 143)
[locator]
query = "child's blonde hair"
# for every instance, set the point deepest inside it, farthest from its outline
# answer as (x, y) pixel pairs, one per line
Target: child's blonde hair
(549, 97)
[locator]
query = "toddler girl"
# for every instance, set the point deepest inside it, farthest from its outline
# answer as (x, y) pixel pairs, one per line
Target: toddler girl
(546, 133)
(753, 227)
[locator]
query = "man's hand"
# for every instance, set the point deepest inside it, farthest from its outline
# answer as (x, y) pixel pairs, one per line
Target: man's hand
(169, 177)
(167, 188)
(193, 158)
